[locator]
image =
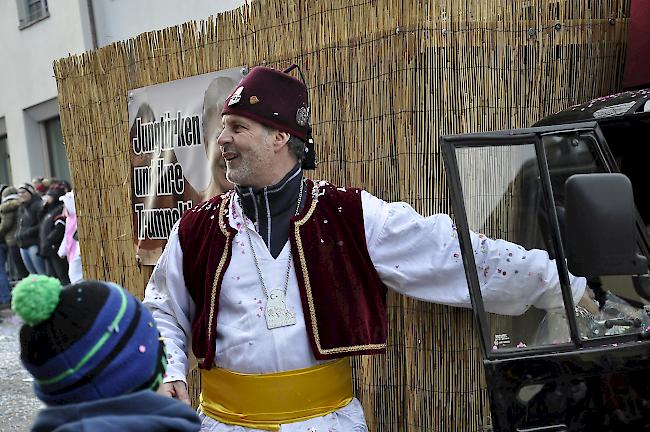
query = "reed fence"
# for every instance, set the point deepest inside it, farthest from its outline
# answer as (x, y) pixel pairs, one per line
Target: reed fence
(386, 79)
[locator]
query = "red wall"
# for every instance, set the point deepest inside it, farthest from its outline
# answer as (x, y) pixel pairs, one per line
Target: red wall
(637, 63)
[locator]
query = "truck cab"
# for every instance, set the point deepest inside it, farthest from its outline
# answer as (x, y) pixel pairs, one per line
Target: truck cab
(574, 185)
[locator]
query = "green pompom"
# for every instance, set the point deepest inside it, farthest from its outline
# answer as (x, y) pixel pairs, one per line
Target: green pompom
(35, 298)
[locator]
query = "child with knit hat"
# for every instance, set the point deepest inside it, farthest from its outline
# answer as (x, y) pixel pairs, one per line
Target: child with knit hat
(96, 357)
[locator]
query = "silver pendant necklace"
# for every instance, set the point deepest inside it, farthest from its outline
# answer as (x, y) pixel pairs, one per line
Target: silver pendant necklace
(276, 312)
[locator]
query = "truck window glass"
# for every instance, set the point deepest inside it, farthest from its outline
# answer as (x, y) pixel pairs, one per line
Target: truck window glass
(503, 199)
(621, 305)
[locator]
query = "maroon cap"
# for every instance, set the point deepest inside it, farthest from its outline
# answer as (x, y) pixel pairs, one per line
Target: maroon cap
(273, 98)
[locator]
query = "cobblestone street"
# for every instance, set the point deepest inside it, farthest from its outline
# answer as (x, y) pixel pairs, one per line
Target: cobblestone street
(17, 401)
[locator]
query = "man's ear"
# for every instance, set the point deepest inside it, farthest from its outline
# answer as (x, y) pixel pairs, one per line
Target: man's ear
(280, 139)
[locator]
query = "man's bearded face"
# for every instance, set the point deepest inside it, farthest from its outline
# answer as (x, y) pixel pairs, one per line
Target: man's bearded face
(247, 148)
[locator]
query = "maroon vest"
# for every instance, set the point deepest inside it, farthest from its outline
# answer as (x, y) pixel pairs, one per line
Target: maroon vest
(343, 299)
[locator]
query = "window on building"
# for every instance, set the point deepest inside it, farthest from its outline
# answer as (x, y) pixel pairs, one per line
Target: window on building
(5, 166)
(31, 11)
(59, 166)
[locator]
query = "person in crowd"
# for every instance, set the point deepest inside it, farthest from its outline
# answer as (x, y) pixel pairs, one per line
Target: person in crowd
(9, 207)
(69, 247)
(66, 185)
(28, 224)
(5, 288)
(51, 232)
(96, 357)
(41, 185)
(278, 282)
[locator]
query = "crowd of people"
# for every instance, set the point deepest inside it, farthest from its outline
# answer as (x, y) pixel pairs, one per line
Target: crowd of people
(38, 227)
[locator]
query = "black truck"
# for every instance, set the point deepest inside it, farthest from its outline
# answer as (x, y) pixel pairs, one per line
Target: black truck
(576, 185)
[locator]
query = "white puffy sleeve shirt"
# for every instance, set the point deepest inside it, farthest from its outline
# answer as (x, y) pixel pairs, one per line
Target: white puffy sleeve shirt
(414, 255)
(420, 257)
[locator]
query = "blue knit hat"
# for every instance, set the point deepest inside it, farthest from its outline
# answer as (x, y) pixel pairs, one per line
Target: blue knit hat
(86, 341)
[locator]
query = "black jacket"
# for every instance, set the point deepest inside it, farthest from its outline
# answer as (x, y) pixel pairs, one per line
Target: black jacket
(28, 223)
(51, 229)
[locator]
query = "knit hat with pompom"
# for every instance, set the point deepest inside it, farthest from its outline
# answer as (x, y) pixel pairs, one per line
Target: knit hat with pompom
(86, 341)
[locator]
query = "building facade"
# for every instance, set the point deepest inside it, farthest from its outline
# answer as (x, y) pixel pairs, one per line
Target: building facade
(34, 33)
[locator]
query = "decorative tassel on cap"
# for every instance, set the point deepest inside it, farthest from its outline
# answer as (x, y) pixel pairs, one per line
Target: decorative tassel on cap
(35, 298)
(309, 161)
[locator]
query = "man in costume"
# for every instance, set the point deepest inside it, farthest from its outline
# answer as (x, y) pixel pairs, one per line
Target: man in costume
(277, 282)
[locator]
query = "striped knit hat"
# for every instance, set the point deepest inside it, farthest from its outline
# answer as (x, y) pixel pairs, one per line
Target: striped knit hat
(86, 341)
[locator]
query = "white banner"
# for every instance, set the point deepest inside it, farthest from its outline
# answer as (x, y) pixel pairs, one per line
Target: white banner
(175, 159)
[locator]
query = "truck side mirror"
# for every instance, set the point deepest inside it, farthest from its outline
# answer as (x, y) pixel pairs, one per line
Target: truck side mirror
(600, 231)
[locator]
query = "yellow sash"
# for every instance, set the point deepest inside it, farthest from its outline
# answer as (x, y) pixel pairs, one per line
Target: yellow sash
(268, 400)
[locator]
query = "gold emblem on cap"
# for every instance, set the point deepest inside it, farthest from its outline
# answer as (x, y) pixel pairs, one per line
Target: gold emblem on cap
(254, 100)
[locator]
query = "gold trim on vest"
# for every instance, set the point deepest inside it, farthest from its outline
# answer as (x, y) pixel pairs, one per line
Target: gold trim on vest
(215, 283)
(310, 298)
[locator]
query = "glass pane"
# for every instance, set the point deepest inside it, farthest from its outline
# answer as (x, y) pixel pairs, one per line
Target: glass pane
(56, 150)
(503, 198)
(621, 307)
(36, 9)
(5, 166)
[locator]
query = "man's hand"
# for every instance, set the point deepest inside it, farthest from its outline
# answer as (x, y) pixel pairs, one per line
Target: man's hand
(587, 301)
(175, 389)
